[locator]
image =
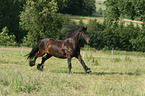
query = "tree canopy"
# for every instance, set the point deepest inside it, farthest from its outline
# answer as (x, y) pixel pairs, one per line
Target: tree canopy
(76, 7)
(9, 16)
(39, 18)
(122, 8)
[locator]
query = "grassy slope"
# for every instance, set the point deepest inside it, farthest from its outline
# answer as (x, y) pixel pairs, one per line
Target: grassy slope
(86, 19)
(121, 74)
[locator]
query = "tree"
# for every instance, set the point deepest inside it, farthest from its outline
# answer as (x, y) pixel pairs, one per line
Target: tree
(96, 34)
(39, 18)
(129, 37)
(9, 16)
(131, 8)
(77, 7)
(139, 42)
(6, 39)
(112, 12)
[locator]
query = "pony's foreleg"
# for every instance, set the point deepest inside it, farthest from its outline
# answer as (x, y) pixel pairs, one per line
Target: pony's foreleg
(40, 66)
(32, 63)
(69, 64)
(87, 70)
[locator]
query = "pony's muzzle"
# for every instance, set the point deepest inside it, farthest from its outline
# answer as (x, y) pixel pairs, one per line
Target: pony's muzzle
(88, 41)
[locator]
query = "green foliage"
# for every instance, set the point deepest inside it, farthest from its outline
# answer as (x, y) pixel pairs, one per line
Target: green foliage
(9, 16)
(139, 42)
(100, 11)
(127, 59)
(116, 60)
(92, 59)
(117, 36)
(111, 7)
(81, 22)
(76, 7)
(39, 18)
(5, 39)
(124, 8)
(95, 31)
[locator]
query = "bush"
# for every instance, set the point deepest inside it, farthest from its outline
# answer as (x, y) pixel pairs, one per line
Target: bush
(117, 36)
(139, 42)
(95, 30)
(5, 39)
(123, 35)
(40, 19)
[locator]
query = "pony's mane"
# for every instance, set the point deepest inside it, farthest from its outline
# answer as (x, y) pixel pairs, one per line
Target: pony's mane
(71, 30)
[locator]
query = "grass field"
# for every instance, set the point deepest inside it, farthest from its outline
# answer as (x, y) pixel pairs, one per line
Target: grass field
(85, 20)
(120, 74)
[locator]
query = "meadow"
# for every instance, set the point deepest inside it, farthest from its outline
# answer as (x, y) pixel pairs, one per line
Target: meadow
(86, 19)
(118, 74)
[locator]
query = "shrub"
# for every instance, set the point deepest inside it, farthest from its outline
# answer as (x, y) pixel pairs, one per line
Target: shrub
(5, 39)
(39, 18)
(139, 42)
(117, 36)
(95, 30)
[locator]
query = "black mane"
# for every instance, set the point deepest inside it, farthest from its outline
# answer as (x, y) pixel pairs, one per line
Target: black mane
(71, 30)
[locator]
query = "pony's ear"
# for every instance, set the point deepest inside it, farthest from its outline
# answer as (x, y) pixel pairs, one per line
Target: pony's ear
(84, 28)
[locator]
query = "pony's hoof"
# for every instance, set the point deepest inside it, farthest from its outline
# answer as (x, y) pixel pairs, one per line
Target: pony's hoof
(40, 67)
(31, 63)
(88, 70)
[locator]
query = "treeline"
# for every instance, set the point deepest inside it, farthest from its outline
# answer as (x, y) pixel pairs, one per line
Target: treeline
(23, 17)
(125, 37)
(76, 7)
(28, 21)
(117, 36)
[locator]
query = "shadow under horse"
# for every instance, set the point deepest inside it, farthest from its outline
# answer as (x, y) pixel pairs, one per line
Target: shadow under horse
(67, 48)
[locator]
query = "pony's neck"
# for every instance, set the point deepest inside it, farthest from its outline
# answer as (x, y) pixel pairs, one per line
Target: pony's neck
(76, 38)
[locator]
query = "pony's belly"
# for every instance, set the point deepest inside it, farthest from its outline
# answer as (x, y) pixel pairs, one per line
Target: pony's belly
(57, 52)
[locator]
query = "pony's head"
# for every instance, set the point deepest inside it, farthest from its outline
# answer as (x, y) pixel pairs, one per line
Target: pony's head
(81, 31)
(84, 34)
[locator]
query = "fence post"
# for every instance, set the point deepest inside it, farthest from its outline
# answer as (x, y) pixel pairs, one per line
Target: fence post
(22, 51)
(112, 50)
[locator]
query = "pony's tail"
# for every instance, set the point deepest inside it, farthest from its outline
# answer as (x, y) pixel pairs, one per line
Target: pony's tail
(33, 51)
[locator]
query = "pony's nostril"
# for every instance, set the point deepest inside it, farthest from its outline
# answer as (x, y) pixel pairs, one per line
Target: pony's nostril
(88, 41)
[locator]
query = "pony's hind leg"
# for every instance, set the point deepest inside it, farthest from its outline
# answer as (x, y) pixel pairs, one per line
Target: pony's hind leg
(32, 62)
(40, 66)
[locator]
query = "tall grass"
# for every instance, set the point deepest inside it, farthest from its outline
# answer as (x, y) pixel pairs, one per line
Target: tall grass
(112, 75)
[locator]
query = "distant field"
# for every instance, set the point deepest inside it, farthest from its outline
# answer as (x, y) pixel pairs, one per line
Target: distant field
(86, 19)
(118, 74)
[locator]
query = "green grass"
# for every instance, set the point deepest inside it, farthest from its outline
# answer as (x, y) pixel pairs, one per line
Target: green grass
(86, 19)
(120, 74)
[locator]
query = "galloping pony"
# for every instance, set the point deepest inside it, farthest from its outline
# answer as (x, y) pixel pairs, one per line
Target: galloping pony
(67, 48)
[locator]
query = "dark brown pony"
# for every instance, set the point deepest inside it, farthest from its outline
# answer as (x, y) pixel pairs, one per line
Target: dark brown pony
(67, 48)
